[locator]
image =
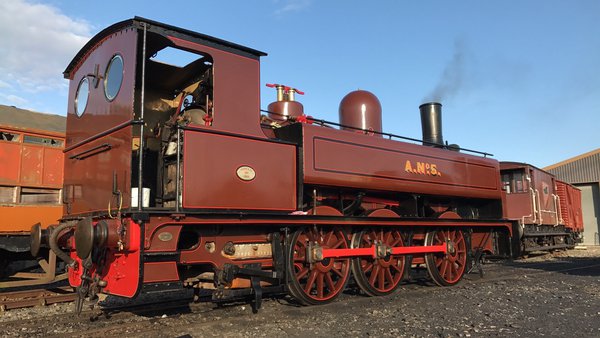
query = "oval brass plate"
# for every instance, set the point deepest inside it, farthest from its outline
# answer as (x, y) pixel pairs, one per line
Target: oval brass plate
(246, 173)
(165, 236)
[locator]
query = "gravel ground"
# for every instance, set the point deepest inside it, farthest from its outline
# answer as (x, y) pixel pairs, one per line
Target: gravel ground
(544, 295)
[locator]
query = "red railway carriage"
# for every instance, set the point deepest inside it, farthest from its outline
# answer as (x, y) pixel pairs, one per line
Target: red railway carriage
(547, 211)
(570, 208)
(31, 178)
(172, 175)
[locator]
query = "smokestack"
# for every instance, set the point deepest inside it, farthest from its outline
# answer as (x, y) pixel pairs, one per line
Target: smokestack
(431, 123)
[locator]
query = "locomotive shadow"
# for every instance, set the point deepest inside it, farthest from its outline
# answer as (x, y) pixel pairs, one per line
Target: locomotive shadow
(575, 266)
(172, 302)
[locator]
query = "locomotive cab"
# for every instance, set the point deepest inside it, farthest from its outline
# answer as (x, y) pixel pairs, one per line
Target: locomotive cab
(142, 94)
(178, 92)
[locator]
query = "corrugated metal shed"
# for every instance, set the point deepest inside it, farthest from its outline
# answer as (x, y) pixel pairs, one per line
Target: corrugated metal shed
(584, 172)
(584, 168)
(26, 119)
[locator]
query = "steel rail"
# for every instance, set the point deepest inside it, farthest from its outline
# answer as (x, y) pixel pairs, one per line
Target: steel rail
(28, 298)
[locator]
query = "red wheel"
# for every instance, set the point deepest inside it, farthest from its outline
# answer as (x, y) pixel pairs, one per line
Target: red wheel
(319, 282)
(378, 276)
(447, 269)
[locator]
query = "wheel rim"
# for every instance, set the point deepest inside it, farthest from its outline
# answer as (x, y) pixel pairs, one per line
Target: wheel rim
(378, 276)
(447, 269)
(323, 281)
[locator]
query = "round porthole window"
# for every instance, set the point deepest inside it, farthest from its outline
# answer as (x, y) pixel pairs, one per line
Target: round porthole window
(113, 77)
(81, 98)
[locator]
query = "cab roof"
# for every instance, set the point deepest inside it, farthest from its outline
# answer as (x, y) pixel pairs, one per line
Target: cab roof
(165, 30)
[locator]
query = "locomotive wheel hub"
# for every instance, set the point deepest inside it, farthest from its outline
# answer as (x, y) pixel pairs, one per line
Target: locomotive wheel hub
(385, 262)
(325, 265)
(450, 247)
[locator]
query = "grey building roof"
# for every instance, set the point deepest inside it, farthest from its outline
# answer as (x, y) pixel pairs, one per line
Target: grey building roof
(12, 116)
(584, 168)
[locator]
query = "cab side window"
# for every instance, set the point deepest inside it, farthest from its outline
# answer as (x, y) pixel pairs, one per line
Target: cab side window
(514, 182)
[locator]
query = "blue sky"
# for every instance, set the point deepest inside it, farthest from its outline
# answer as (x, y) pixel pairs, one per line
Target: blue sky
(519, 79)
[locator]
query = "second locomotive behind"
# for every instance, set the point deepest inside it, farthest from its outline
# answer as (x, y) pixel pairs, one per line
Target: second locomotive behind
(170, 177)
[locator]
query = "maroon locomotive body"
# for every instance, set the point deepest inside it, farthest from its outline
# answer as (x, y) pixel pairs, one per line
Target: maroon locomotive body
(173, 176)
(547, 211)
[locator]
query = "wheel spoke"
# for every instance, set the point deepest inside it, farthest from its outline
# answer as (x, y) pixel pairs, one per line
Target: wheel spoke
(453, 271)
(299, 257)
(396, 241)
(330, 282)
(388, 275)
(441, 238)
(374, 274)
(387, 237)
(368, 267)
(460, 240)
(444, 267)
(311, 281)
(341, 242)
(338, 271)
(374, 235)
(320, 285)
(381, 278)
(329, 235)
(302, 273)
(397, 268)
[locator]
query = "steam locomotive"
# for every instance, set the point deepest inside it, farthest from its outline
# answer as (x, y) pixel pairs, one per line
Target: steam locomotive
(172, 175)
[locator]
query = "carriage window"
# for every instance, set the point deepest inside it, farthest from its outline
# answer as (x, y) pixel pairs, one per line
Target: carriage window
(10, 137)
(39, 196)
(81, 98)
(514, 182)
(49, 142)
(113, 77)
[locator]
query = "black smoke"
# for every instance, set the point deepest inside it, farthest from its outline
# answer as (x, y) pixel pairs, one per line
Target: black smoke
(452, 78)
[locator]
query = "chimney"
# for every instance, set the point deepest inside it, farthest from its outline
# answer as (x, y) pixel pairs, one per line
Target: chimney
(431, 123)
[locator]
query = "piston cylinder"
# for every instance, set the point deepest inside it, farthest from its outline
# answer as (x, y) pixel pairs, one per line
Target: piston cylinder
(361, 110)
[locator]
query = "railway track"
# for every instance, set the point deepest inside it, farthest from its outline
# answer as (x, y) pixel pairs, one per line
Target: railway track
(28, 298)
(204, 318)
(149, 316)
(42, 297)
